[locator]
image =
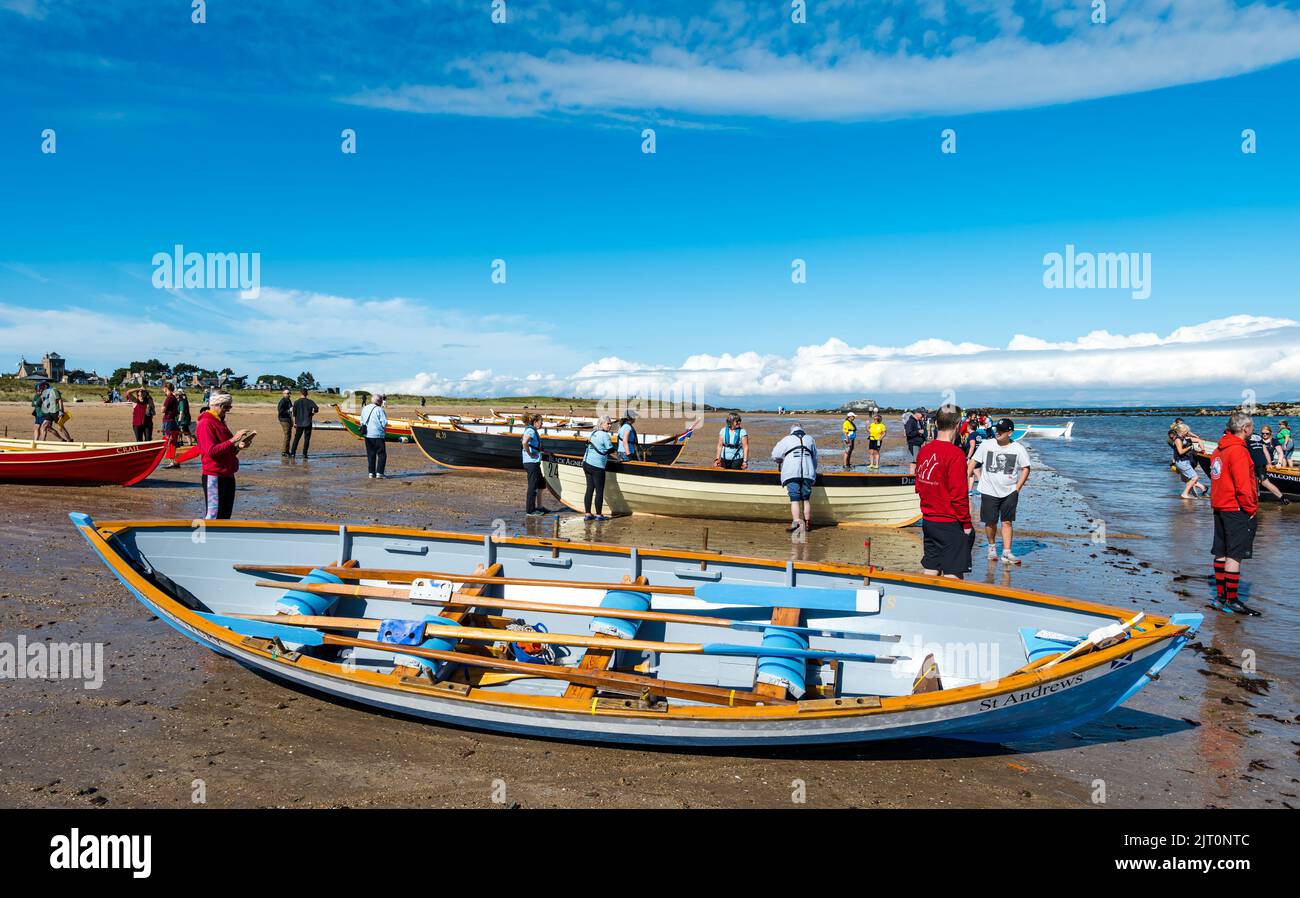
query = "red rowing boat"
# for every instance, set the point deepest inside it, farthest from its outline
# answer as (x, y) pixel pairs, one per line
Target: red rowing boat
(121, 463)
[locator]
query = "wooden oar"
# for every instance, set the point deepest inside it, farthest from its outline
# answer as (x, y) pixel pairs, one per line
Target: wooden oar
(399, 594)
(489, 634)
(612, 681)
(810, 598)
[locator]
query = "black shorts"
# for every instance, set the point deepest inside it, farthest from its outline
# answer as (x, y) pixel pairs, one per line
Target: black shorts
(993, 508)
(947, 547)
(1234, 535)
(873, 445)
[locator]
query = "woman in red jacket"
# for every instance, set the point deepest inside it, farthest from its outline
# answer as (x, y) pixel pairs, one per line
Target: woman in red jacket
(220, 450)
(1234, 495)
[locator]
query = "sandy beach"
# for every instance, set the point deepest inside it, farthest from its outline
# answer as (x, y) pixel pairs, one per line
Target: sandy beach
(170, 713)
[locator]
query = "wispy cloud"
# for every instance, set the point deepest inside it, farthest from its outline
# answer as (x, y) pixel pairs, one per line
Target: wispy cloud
(951, 58)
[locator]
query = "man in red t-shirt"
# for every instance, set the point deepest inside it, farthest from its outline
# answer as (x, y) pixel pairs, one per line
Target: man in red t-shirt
(1234, 495)
(945, 503)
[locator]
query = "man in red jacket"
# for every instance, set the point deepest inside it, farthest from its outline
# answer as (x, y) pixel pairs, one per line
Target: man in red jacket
(1234, 495)
(945, 504)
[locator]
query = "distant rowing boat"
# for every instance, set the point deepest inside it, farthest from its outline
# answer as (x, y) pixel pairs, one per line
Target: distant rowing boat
(491, 446)
(398, 430)
(888, 500)
(1044, 431)
(1286, 479)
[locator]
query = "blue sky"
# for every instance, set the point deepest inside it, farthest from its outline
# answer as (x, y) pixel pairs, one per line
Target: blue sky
(775, 141)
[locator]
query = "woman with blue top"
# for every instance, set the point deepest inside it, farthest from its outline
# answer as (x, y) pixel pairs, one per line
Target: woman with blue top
(600, 446)
(531, 445)
(797, 456)
(627, 439)
(374, 425)
(733, 445)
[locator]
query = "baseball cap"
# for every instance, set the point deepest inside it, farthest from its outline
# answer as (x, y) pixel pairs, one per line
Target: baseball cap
(1004, 425)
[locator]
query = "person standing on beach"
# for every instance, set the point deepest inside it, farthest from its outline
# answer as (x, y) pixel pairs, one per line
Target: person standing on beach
(1234, 496)
(599, 448)
(530, 443)
(303, 410)
(941, 479)
(1004, 468)
(849, 436)
(220, 451)
(733, 445)
(374, 427)
(1185, 449)
(171, 429)
(38, 411)
(797, 456)
(627, 438)
(284, 414)
(183, 418)
(142, 413)
(914, 431)
(875, 439)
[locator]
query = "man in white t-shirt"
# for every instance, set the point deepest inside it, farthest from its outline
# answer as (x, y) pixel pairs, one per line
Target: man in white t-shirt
(1004, 468)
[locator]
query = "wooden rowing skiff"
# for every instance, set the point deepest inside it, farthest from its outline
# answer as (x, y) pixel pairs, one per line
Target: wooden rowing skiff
(888, 500)
(494, 447)
(1285, 478)
(28, 461)
(398, 430)
(809, 653)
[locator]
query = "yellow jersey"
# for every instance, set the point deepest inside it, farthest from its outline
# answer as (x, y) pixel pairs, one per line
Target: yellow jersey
(876, 431)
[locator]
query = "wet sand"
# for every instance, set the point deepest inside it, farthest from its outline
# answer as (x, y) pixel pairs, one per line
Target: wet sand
(171, 714)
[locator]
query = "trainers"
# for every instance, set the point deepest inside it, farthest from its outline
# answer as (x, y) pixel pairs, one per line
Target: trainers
(541, 510)
(589, 517)
(1008, 558)
(535, 513)
(1242, 608)
(993, 553)
(601, 517)
(371, 476)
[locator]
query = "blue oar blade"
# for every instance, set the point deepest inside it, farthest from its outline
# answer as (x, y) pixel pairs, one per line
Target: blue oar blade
(720, 648)
(264, 630)
(808, 597)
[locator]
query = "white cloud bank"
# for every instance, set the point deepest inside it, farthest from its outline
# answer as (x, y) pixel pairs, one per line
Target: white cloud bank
(663, 65)
(1227, 354)
(364, 343)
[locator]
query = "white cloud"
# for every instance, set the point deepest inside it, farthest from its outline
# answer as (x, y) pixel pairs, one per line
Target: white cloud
(1145, 46)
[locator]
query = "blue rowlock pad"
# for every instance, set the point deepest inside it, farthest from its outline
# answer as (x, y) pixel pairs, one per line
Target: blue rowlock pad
(296, 601)
(790, 673)
(620, 600)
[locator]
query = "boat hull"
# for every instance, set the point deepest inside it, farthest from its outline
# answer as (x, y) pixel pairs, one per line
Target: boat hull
(397, 430)
(888, 500)
(459, 447)
(123, 464)
(1015, 706)
(1287, 480)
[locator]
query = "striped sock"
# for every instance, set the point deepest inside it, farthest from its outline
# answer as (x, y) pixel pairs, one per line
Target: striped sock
(1230, 583)
(1218, 578)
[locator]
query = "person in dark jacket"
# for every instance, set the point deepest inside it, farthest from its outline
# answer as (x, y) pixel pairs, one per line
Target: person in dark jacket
(1234, 495)
(303, 410)
(284, 414)
(914, 431)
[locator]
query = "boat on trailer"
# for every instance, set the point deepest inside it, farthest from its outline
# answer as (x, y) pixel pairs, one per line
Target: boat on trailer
(601, 643)
(53, 461)
(494, 447)
(887, 500)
